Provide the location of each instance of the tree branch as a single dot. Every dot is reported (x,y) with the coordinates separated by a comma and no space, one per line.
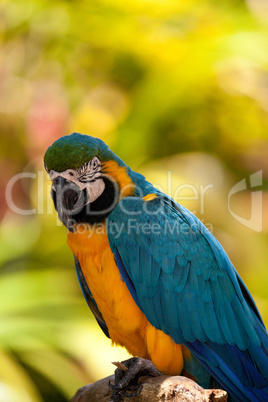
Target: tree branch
(162,388)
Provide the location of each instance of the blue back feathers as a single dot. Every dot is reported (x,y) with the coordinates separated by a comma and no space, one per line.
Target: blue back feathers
(182,279)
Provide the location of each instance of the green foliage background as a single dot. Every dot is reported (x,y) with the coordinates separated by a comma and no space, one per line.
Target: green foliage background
(179,90)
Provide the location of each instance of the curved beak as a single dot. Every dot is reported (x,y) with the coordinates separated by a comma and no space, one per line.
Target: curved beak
(68,200)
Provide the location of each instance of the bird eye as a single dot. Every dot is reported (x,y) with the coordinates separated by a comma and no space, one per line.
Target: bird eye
(95,163)
(71,174)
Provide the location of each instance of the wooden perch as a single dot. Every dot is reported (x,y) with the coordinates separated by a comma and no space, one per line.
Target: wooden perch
(162,388)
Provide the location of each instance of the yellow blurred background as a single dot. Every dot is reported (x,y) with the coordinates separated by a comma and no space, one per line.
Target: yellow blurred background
(179,90)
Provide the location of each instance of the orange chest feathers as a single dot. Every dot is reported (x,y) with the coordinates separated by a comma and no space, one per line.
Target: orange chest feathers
(127,325)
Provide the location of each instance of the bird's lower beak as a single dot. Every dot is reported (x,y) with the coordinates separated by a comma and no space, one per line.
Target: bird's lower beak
(68,200)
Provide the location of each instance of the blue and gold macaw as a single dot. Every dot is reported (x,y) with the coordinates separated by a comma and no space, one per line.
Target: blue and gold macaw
(157,281)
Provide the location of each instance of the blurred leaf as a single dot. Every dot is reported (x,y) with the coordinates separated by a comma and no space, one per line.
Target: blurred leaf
(17,379)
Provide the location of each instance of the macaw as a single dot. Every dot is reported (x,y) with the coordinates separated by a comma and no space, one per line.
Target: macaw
(157,281)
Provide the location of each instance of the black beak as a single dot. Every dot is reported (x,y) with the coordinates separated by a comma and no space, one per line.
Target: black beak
(67,200)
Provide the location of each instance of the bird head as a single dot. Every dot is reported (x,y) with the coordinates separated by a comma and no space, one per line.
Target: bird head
(88,179)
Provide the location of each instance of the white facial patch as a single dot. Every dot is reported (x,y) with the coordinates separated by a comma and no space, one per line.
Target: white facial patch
(94,190)
(86,177)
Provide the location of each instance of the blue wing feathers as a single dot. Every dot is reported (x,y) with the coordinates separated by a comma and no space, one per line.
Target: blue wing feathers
(217,360)
(171,316)
(179,285)
(177,274)
(248,299)
(126,278)
(159,320)
(145,257)
(89,298)
(185,284)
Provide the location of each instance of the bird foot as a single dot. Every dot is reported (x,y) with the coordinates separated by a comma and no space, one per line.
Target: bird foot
(126,382)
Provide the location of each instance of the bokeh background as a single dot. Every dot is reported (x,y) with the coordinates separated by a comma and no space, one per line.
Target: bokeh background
(179,90)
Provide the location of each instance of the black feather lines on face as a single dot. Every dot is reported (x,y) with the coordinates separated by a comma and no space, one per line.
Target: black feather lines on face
(97,211)
(87,171)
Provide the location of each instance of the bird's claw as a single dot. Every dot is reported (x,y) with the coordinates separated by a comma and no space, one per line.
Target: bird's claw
(132,393)
(129,392)
(126,381)
(130,387)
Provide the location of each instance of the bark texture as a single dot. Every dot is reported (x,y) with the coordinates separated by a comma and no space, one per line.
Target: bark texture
(162,388)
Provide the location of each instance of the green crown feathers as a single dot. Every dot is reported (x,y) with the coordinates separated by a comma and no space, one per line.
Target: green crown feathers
(72,151)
